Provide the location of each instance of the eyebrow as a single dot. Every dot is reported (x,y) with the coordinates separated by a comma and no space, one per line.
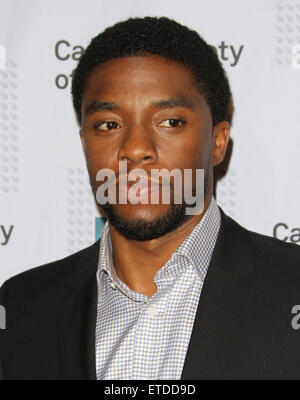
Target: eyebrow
(178,101)
(96,105)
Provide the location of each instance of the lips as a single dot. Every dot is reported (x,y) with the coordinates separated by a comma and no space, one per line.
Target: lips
(143,188)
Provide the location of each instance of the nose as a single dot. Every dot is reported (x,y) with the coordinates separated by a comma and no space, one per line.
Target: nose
(138,147)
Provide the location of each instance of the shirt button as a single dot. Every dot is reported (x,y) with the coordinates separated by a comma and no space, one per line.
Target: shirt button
(152,310)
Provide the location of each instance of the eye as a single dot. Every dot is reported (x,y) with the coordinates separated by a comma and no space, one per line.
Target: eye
(171,123)
(106,126)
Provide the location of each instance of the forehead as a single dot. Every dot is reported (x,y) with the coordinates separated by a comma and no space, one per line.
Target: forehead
(146,76)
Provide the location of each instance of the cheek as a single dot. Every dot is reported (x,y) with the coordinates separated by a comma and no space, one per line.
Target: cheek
(203,149)
(194,153)
(98,155)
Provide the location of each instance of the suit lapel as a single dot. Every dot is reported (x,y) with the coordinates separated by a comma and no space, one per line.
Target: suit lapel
(77,319)
(222,304)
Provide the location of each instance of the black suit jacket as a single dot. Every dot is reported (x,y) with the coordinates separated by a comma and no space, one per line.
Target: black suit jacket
(242,328)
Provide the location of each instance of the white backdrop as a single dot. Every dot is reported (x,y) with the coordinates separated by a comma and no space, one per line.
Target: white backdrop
(46,207)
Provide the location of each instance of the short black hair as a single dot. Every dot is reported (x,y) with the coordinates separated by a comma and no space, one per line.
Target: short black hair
(163,37)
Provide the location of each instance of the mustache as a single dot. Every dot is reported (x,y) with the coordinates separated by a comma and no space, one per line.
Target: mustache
(117,178)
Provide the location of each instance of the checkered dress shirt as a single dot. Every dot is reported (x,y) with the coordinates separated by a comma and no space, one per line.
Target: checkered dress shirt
(138,337)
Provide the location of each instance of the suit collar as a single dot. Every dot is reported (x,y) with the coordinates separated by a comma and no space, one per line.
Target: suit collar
(85,268)
(222,304)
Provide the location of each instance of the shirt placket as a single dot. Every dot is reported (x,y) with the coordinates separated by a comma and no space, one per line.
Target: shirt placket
(149,334)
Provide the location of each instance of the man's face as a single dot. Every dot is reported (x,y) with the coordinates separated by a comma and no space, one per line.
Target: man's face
(146,111)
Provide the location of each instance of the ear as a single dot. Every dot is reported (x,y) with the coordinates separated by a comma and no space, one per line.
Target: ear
(221,138)
(82,139)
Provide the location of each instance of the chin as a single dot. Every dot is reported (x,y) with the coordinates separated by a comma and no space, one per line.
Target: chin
(141,212)
(143,223)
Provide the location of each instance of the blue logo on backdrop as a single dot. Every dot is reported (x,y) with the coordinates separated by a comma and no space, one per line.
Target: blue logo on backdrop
(99,224)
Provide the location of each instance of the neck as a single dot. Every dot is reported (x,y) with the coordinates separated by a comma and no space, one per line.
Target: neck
(137,262)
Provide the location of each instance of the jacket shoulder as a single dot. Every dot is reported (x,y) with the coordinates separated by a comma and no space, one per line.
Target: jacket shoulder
(277,261)
(263,244)
(274,249)
(50,275)
(270,255)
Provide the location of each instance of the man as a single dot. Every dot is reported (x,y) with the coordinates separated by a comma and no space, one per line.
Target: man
(163,294)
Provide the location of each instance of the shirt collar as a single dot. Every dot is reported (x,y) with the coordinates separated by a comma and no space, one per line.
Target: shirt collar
(197,247)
